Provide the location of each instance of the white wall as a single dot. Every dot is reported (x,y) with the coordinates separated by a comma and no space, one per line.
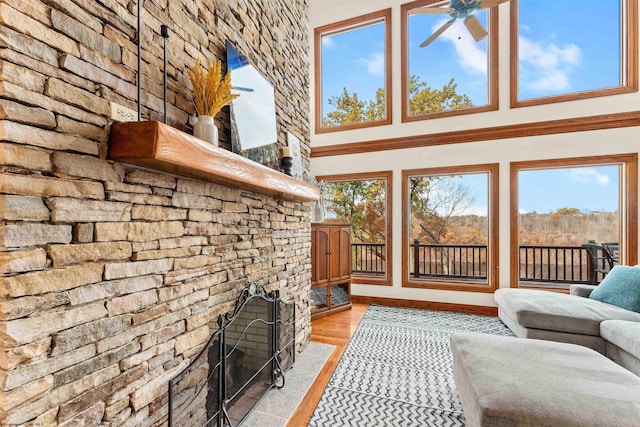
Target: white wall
(603,142)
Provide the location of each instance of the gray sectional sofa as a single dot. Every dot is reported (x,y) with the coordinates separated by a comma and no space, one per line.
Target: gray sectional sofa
(574,318)
(509,382)
(549,380)
(623,343)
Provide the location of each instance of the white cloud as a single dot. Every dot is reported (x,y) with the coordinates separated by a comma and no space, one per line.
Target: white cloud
(587,175)
(470,56)
(374,63)
(327,42)
(522,211)
(473,209)
(547,67)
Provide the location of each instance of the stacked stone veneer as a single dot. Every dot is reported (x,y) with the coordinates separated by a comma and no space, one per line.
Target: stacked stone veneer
(109,274)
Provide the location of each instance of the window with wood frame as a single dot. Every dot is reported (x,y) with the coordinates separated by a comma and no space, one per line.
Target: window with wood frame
(353,73)
(569,50)
(452,74)
(450,225)
(572,219)
(364,201)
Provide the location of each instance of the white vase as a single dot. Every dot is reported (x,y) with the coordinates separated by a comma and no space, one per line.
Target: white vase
(317,212)
(206,129)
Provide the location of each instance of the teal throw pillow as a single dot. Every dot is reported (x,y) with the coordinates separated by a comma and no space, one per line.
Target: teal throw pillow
(621,287)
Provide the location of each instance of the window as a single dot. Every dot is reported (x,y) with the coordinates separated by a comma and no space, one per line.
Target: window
(353,73)
(562,210)
(453,74)
(568,50)
(450,228)
(364,201)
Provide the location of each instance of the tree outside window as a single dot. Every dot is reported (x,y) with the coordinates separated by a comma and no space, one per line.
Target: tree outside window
(353,63)
(566,213)
(449,225)
(453,74)
(363,200)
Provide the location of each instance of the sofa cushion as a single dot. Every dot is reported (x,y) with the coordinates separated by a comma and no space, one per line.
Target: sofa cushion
(581,290)
(559,312)
(506,381)
(591,341)
(620,287)
(623,334)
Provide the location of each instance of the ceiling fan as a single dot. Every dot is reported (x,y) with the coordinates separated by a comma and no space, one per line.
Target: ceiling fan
(459,9)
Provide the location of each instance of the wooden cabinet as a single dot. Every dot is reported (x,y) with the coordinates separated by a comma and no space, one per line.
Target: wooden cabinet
(330,268)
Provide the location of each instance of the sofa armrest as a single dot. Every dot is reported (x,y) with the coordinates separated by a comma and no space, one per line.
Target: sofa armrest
(581,290)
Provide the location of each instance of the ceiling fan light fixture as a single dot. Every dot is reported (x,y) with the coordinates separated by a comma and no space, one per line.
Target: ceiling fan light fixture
(475,28)
(463,9)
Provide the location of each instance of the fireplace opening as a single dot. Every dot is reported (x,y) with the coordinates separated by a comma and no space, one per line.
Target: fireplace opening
(253,346)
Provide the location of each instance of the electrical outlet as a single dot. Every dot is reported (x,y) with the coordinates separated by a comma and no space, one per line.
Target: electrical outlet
(122,114)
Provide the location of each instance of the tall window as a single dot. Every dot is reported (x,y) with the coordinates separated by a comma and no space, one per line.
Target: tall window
(568,50)
(364,201)
(567,213)
(353,73)
(450,228)
(452,74)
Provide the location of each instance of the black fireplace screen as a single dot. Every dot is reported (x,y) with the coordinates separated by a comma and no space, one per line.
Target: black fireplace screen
(243,359)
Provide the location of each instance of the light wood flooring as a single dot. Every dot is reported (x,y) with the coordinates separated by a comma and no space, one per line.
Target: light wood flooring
(336,329)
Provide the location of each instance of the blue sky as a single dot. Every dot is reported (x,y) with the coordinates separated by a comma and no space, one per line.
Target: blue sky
(478,185)
(565,46)
(589,188)
(355,60)
(568,46)
(453,54)
(593,188)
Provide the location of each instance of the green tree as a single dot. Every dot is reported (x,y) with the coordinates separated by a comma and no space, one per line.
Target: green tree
(434,200)
(425,99)
(361,203)
(349,108)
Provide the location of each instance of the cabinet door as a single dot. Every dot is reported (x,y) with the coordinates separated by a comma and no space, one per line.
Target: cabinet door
(319,256)
(340,253)
(314,256)
(345,253)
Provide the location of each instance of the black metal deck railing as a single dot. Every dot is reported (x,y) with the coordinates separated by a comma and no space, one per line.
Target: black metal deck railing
(368,259)
(555,264)
(546,264)
(448,261)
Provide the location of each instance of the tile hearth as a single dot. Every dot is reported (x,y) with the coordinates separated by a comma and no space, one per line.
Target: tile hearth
(277,406)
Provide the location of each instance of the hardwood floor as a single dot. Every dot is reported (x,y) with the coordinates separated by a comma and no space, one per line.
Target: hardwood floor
(336,329)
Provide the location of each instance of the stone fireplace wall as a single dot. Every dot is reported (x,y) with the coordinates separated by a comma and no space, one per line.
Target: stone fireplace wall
(110,275)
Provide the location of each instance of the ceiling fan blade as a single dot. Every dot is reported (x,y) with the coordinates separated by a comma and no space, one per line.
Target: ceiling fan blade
(438,32)
(475,27)
(485,4)
(430,10)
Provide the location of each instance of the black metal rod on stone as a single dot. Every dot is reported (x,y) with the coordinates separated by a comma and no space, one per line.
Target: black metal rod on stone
(222,357)
(164,32)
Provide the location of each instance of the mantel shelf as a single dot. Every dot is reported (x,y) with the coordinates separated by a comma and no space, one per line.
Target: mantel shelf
(158,146)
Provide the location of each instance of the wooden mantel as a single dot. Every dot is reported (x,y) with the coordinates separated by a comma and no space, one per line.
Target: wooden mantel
(158,146)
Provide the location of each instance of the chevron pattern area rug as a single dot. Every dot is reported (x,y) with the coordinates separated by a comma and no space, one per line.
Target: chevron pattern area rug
(397,370)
